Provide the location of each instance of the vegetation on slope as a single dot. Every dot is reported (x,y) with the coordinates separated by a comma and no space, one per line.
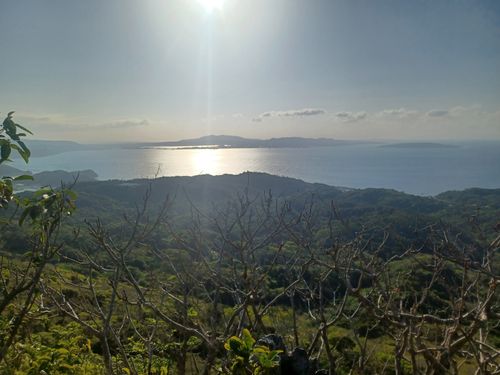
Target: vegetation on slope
(248,274)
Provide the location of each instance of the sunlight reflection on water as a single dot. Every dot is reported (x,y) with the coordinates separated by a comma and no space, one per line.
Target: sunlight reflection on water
(191,162)
(418,171)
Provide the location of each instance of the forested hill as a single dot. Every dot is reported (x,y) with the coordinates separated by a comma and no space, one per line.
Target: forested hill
(259,251)
(46,178)
(201,188)
(405,218)
(360,208)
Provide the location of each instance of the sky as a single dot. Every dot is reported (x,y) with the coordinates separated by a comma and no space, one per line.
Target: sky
(149,70)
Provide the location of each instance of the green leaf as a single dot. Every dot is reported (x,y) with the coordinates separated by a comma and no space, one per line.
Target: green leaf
(234,344)
(16,147)
(261,349)
(23,145)
(62,351)
(9,126)
(265,358)
(8,183)
(5,151)
(24,154)
(247,338)
(23,128)
(23,177)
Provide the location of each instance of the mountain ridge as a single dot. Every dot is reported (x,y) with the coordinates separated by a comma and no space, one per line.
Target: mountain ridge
(232,141)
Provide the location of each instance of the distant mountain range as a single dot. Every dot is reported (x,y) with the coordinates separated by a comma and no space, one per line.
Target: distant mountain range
(230,141)
(41,148)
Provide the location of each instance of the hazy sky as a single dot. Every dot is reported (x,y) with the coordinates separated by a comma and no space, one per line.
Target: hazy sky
(123,70)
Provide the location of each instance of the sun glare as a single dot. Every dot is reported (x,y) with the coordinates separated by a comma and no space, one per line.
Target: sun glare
(205,161)
(211,5)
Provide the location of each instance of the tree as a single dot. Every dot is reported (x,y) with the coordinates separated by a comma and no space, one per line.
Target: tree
(10,140)
(152,293)
(20,277)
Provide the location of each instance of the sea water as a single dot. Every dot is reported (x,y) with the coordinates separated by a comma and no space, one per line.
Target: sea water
(415,170)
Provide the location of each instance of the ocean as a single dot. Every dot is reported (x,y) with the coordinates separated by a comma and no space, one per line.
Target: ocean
(414,170)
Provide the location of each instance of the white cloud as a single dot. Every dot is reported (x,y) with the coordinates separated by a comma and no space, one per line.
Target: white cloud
(404,113)
(398,113)
(351,116)
(291,113)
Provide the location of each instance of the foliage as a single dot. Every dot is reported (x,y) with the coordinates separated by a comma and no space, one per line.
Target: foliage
(20,279)
(65,350)
(365,281)
(247,358)
(10,140)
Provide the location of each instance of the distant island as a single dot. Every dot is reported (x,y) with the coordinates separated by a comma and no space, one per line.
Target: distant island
(42,148)
(229,141)
(418,145)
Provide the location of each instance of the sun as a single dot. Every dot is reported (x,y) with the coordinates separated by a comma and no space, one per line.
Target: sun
(211,5)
